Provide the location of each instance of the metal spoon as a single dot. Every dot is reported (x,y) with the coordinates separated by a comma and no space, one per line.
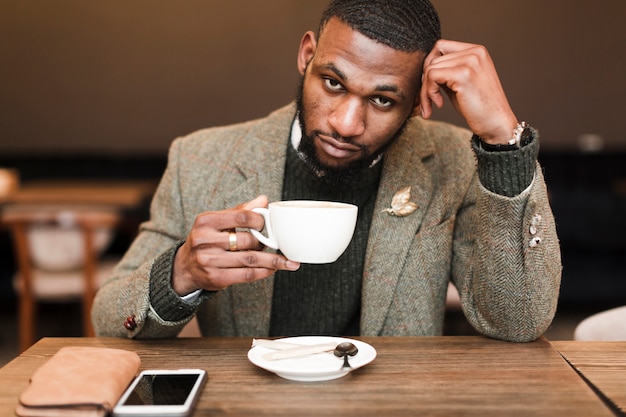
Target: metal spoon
(344,350)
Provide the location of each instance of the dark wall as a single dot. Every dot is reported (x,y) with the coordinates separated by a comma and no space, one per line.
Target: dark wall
(561,62)
(128,76)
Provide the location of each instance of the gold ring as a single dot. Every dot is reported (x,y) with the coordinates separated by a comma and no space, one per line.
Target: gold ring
(232,241)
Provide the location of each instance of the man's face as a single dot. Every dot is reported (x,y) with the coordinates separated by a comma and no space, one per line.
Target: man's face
(355,97)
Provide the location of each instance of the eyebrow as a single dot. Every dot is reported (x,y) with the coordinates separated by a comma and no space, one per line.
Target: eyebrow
(392,88)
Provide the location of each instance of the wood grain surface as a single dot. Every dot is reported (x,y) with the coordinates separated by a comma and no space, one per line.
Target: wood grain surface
(425,376)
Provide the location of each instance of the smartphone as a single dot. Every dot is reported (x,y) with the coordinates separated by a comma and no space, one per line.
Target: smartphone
(170,393)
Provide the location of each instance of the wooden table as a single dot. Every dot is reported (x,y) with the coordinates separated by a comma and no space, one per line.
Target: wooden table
(603,365)
(425,376)
(124,194)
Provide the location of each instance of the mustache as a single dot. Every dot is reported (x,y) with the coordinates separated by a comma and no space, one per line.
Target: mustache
(333,135)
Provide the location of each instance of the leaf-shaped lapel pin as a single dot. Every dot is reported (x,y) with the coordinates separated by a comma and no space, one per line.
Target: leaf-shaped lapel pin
(400,204)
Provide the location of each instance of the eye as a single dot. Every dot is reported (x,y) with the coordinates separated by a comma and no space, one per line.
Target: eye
(381,101)
(332,84)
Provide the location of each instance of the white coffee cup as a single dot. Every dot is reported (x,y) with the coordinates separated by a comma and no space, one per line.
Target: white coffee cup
(314,232)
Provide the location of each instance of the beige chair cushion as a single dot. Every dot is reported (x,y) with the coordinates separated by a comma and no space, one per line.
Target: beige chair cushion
(56,248)
(64,285)
(609,325)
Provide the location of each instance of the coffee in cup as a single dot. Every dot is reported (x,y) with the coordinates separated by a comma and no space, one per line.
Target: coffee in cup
(307,231)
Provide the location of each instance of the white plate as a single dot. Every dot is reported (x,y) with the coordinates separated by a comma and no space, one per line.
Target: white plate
(318,367)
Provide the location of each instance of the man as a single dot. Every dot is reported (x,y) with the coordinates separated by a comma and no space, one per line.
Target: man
(358,133)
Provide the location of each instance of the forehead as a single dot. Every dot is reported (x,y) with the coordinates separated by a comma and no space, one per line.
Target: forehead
(355,54)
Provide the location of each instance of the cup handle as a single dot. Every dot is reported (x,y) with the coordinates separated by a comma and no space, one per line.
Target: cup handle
(270,240)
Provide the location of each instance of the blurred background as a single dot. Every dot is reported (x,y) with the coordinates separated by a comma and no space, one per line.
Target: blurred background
(98,90)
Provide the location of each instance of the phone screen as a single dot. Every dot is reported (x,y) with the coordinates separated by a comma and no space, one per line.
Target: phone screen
(171,393)
(162,389)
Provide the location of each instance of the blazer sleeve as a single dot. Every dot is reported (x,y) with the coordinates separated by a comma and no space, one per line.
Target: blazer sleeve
(127,292)
(507,262)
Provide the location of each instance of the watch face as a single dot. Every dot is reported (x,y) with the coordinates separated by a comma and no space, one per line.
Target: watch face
(526,137)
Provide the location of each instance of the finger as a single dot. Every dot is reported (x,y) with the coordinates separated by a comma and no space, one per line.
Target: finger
(445,47)
(426,108)
(434,53)
(238,216)
(451,60)
(260,201)
(263,260)
(452,78)
(432,82)
(425,105)
(240,241)
(229,219)
(244,210)
(232,241)
(234,276)
(430,94)
(239,267)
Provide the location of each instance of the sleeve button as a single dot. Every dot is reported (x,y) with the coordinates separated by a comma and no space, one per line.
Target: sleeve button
(130,323)
(535,220)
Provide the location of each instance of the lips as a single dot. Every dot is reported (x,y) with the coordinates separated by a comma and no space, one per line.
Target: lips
(337,149)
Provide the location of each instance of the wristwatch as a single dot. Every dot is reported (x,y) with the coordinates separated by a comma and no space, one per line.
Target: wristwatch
(522,136)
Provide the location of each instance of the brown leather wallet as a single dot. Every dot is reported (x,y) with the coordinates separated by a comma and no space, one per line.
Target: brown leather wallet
(79,381)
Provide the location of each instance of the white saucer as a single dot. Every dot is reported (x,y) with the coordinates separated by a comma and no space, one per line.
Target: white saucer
(318,367)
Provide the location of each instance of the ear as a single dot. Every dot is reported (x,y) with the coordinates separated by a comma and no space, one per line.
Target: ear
(417,109)
(308,44)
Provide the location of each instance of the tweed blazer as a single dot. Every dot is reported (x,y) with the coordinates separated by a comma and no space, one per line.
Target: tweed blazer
(502,253)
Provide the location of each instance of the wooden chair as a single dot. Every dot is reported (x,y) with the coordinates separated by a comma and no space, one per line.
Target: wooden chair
(57,250)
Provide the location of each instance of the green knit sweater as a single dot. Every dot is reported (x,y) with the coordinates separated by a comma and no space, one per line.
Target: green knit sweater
(335,286)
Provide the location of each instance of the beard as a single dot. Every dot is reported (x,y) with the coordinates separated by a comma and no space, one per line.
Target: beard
(333,175)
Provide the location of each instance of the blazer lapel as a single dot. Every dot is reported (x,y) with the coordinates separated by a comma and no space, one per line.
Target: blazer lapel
(391,236)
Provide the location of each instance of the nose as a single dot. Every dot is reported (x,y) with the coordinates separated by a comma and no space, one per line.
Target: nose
(348,117)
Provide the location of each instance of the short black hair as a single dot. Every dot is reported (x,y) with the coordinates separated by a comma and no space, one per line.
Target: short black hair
(405,25)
